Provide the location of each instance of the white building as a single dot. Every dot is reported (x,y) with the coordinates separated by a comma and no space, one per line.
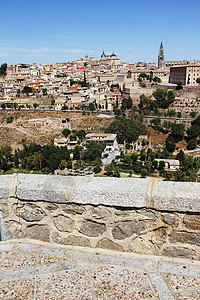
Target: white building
(109,139)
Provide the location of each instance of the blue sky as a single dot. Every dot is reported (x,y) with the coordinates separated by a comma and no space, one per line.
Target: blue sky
(63,30)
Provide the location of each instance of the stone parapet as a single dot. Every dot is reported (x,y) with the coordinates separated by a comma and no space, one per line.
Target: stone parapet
(146,216)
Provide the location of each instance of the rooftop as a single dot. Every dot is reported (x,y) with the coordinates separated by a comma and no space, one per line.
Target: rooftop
(49,271)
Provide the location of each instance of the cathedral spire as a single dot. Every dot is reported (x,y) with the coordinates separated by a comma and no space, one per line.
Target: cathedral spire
(161,57)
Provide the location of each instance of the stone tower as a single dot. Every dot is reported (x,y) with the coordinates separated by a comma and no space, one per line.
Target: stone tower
(161,60)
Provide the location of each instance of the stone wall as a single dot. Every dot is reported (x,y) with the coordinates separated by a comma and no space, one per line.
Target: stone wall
(145,216)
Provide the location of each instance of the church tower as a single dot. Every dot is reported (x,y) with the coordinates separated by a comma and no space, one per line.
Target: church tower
(161,60)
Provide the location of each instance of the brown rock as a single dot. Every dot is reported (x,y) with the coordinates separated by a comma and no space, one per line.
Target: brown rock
(192,221)
(91,228)
(125,229)
(73,209)
(169,219)
(159,236)
(38,232)
(76,241)
(178,252)
(108,244)
(51,207)
(63,223)
(184,237)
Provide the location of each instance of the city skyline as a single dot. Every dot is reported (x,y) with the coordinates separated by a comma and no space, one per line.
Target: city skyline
(49,33)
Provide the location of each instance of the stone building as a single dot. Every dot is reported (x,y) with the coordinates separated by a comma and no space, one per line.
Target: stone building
(187,75)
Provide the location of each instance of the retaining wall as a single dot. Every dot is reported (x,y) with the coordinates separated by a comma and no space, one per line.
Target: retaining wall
(147,216)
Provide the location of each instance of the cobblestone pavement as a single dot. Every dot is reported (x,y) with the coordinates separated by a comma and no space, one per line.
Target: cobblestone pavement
(32,269)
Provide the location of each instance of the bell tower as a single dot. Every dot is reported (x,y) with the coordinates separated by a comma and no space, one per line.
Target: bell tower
(161,60)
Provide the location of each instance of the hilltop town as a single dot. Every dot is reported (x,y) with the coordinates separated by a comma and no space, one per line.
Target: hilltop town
(144,117)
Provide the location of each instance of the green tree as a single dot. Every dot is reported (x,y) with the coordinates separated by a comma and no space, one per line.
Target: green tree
(179,114)
(157,79)
(126,129)
(3,69)
(77,152)
(44,91)
(66,132)
(156,122)
(27,90)
(161,165)
(92,107)
(126,103)
(171,113)
(3,106)
(193,114)
(181,156)
(93,151)
(170,144)
(198,80)
(35,105)
(193,132)
(6,158)
(191,145)
(81,134)
(163,97)
(179,86)
(177,131)
(9,119)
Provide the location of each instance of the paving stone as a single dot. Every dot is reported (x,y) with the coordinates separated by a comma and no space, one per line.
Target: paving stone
(37,270)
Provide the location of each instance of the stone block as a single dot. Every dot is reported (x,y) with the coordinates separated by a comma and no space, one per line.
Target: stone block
(30,212)
(143,245)
(169,219)
(99,213)
(38,232)
(125,229)
(63,223)
(146,214)
(108,244)
(76,241)
(73,209)
(11,230)
(49,188)
(92,229)
(5,182)
(181,252)
(176,196)
(125,192)
(50,207)
(184,237)
(192,221)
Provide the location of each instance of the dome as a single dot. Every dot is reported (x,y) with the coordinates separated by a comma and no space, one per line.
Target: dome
(113,55)
(103,54)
